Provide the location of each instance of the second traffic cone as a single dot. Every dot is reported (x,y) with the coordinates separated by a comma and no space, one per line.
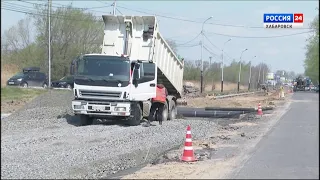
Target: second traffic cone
(259,110)
(188,154)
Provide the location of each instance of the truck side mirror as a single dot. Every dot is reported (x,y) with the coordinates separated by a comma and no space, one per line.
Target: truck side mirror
(136,74)
(136,77)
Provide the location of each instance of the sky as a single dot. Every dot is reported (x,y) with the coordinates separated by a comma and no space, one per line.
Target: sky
(281,53)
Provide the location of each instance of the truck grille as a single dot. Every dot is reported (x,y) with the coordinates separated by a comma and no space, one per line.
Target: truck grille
(99,94)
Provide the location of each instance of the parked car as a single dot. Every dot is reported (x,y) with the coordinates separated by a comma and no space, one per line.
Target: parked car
(65,82)
(29,77)
(317,89)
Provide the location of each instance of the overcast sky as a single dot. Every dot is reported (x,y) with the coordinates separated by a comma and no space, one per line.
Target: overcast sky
(279,53)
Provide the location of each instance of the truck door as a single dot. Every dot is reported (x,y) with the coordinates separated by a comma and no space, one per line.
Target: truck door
(145,88)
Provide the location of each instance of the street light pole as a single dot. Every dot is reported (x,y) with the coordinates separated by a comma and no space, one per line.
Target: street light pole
(263,75)
(222,66)
(202,37)
(114,8)
(250,74)
(259,75)
(240,69)
(49,42)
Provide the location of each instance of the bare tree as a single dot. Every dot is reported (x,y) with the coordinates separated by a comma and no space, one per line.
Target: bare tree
(173,45)
(18,37)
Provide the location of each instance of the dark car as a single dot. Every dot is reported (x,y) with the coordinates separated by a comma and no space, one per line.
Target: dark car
(65,82)
(317,89)
(29,77)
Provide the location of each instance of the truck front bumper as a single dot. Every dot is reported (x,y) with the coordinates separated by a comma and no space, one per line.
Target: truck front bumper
(101,108)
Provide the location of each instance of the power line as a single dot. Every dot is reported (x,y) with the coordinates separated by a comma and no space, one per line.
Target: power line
(252,37)
(61,5)
(119,11)
(218,47)
(25,11)
(194,45)
(67,6)
(191,39)
(199,22)
(164,16)
(52,16)
(209,50)
(211,42)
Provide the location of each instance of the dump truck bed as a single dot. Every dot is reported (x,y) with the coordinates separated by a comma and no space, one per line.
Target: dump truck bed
(145,43)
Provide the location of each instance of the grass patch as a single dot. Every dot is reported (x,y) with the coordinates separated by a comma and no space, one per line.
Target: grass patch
(15,93)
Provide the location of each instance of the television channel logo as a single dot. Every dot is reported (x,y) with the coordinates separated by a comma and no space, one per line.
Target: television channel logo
(283,20)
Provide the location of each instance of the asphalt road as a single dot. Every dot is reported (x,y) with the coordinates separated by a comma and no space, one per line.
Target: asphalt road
(291,148)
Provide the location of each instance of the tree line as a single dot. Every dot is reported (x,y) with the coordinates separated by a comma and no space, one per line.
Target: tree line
(73,32)
(311,62)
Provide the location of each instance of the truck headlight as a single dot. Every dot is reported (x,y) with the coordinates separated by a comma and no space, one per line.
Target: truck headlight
(120,109)
(78,106)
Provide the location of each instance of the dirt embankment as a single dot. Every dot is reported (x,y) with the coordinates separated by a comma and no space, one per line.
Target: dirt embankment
(240,101)
(215,86)
(7,71)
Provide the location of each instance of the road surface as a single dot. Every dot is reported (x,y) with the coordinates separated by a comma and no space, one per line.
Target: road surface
(291,148)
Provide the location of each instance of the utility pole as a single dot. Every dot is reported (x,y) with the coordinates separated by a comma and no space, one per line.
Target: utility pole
(222,65)
(211,70)
(249,84)
(262,75)
(114,8)
(240,69)
(259,75)
(49,41)
(249,77)
(202,37)
(201,71)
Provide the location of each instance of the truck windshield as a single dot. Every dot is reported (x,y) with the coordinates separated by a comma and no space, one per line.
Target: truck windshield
(107,68)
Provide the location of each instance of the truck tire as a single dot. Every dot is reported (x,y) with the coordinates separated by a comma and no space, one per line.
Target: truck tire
(136,115)
(173,110)
(164,113)
(85,120)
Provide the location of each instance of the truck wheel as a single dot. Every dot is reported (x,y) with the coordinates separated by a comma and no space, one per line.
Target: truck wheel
(173,110)
(165,112)
(85,120)
(136,114)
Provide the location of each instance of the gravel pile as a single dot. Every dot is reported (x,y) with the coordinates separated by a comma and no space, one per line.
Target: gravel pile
(42,141)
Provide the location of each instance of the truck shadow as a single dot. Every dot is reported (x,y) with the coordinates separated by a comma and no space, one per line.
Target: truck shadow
(75,121)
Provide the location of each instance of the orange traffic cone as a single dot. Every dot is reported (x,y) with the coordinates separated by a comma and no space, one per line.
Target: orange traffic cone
(259,110)
(188,154)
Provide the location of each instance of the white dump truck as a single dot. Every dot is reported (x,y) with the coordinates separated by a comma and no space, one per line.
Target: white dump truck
(120,82)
